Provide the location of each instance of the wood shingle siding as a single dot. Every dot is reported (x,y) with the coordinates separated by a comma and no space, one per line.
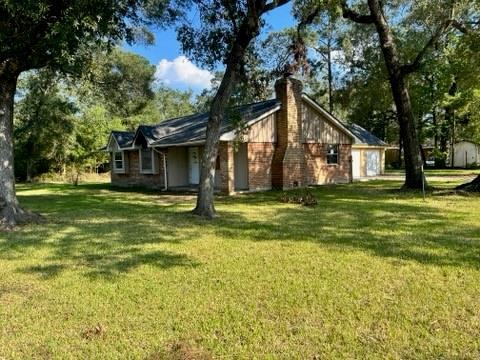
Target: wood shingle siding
(316,129)
(263,131)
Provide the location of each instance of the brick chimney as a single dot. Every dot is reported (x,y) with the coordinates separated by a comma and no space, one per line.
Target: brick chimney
(288,165)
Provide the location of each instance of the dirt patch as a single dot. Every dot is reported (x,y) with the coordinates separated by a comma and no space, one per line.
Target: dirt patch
(181,350)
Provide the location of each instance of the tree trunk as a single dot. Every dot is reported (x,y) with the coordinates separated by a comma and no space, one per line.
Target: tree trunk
(205,200)
(450,122)
(11,213)
(330,77)
(411,147)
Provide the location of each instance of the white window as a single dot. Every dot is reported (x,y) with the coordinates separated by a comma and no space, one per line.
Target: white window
(147,161)
(332,154)
(118,162)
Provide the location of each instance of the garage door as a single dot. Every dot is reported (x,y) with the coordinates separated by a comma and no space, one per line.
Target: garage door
(373,163)
(356,162)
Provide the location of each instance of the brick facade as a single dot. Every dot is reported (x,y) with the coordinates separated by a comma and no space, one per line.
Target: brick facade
(260,156)
(133,177)
(319,172)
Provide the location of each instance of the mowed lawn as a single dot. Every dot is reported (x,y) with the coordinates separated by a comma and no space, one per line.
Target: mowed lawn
(371,272)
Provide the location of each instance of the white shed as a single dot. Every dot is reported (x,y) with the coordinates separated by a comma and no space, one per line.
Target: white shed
(465,154)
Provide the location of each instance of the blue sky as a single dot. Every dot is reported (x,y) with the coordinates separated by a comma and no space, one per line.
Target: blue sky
(177,71)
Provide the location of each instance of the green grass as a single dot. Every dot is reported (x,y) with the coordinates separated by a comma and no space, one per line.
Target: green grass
(371,272)
(439,172)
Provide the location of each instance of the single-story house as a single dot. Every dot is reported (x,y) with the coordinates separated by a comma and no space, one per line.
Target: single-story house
(286,142)
(465,154)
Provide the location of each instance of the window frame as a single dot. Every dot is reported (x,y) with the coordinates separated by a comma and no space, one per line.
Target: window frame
(115,168)
(149,171)
(336,154)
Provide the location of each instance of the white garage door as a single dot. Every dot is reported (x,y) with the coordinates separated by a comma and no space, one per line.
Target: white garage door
(373,163)
(356,164)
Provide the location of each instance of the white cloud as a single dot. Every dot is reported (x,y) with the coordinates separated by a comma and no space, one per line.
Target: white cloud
(181,71)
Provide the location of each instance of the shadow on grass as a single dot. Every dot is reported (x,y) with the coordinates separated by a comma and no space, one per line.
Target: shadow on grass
(101,232)
(369,218)
(107,234)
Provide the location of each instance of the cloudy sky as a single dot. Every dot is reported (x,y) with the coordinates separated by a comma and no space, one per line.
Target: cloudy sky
(174,69)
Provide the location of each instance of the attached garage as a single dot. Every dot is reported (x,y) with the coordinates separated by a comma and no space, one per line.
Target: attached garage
(368,153)
(367,161)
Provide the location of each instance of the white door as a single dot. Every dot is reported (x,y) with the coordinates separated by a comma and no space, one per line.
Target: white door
(356,164)
(193,166)
(373,162)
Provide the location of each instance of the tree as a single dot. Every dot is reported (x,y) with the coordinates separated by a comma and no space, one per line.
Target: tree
(441,20)
(121,80)
(44,125)
(226,30)
(58,34)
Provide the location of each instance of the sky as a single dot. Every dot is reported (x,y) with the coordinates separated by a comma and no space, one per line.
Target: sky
(175,70)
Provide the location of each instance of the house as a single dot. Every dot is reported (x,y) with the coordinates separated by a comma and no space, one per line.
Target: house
(465,154)
(286,142)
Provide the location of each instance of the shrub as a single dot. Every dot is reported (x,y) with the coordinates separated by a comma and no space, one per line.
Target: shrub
(301,196)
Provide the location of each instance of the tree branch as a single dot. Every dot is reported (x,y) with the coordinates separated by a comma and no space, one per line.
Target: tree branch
(354,16)
(417,62)
(274,4)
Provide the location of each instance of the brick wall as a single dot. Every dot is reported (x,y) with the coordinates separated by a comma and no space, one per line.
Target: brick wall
(288,165)
(224,175)
(133,177)
(260,156)
(319,172)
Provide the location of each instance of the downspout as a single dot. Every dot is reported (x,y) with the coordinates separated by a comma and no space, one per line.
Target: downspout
(165,180)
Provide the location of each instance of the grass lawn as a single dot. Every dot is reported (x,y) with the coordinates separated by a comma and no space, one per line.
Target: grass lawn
(369,273)
(438,172)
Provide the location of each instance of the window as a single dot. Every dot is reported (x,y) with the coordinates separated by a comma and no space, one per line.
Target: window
(332,154)
(118,162)
(146,161)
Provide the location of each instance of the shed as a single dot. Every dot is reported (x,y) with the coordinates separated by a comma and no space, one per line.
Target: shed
(465,154)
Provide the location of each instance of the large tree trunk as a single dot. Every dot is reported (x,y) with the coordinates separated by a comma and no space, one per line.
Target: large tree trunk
(408,133)
(473,186)
(11,213)
(205,199)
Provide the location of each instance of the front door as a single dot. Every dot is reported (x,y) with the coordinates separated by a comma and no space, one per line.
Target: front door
(193,166)
(372,163)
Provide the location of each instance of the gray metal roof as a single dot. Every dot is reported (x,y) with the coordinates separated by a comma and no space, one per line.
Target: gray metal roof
(364,136)
(124,138)
(193,128)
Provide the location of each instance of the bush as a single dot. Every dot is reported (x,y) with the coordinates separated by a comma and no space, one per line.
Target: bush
(301,196)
